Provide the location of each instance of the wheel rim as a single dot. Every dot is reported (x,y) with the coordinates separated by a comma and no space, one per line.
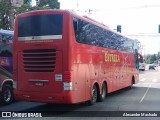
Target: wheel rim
(7,95)
(94,94)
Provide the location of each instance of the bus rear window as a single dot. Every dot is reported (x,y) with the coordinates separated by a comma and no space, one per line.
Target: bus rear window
(40,27)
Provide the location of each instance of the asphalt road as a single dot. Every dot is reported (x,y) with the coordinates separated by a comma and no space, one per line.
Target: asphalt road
(144,96)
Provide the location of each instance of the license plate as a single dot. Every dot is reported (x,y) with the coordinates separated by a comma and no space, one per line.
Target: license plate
(39,84)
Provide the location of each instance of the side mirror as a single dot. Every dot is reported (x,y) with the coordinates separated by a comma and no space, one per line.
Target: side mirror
(141,60)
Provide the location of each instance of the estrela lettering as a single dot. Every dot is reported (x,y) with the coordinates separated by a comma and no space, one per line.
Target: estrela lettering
(109,57)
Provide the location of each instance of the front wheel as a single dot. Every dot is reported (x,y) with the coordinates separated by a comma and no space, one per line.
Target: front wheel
(94,95)
(6,96)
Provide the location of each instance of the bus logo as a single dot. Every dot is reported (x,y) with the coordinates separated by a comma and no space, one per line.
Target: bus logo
(110,57)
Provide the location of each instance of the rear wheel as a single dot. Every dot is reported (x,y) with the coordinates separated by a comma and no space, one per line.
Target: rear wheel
(132,82)
(94,95)
(102,96)
(6,96)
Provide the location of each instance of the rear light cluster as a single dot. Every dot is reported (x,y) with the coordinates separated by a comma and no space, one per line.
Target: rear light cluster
(67,85)
(67,76)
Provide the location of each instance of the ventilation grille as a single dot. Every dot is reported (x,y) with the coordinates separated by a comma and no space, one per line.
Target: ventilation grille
(39,60)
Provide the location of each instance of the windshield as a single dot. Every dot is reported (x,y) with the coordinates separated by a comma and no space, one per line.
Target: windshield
(40,27)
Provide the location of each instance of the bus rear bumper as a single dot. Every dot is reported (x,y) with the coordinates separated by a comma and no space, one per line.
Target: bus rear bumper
(44,97)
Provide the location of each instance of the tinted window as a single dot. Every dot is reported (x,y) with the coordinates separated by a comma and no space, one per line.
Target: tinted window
(40,25)
(5,49)
(6,45)
(6,37)
(91,34)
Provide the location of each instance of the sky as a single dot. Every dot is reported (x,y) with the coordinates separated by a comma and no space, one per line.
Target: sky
(135,17)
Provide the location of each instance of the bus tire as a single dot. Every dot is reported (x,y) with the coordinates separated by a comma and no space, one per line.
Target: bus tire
(94,95)
(132,82)
(101,97)
(6,96)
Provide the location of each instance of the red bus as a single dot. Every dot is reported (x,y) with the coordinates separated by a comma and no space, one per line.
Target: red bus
(60,57)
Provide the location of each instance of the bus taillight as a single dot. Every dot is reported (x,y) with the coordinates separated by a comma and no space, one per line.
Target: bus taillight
(67,76)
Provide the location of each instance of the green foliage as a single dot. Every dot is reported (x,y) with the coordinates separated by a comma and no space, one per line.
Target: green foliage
(49,4)
(158,56)
(24,8)
(151,58)
(6,10)
(43,4)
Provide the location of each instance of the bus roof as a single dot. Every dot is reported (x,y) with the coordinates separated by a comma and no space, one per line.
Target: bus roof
(75,14)
(6,32)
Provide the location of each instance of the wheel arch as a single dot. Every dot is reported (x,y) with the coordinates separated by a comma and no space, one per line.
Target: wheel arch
(133,79)
(105,82)
(6,81)
(97,86)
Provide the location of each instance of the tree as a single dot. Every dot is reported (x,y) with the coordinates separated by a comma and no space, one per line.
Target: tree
(49,4)
(158,56)
(150,58)
(24,8)
(8,12)
(4,12)
(153,58)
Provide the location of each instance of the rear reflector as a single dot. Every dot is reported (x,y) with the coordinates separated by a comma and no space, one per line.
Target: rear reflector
(14,84)
(58,77)
(67,85)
